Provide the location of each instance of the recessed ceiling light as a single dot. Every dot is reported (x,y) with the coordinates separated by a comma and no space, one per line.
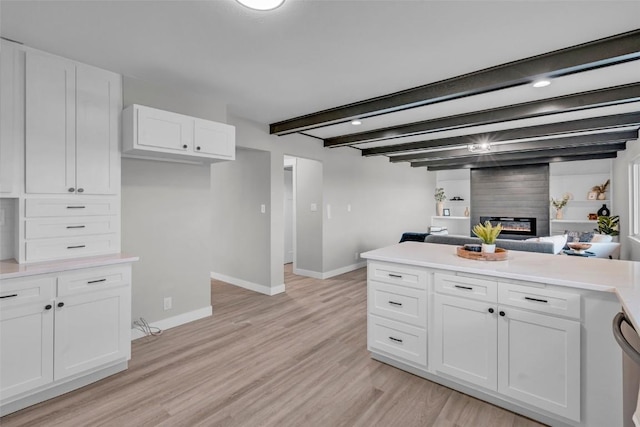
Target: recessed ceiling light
(261,4)
(356,122)
(541,83)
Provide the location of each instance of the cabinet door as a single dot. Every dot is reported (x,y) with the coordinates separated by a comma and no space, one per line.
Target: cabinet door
(465,340)
(50,124)
(539,361)
(164,130)
(98,105)
(26,347)
(216,139)
(92,329)
(8,111)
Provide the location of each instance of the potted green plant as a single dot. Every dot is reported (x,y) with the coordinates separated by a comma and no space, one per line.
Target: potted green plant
(608,225)
(488,234)
(440,198)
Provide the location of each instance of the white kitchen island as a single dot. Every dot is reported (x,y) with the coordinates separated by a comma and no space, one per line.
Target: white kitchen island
(531,334)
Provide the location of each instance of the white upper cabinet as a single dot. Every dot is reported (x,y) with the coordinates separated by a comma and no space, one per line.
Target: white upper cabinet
(71,127)
(149,132)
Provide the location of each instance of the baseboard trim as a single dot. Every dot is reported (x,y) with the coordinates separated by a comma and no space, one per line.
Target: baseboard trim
(266,290)
(172,322)
(329,274)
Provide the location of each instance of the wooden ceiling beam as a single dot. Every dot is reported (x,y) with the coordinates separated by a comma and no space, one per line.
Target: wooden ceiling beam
(544,144)
(583,57)
(579,101)
(535,161)
(533,157)
(590,124)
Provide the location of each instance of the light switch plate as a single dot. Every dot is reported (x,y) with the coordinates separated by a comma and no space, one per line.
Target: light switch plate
(314,207)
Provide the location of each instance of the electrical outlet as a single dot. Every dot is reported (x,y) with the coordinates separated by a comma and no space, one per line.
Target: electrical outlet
(263,208)
(168,303)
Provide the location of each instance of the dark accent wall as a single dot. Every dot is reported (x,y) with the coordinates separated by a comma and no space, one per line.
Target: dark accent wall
(520,191)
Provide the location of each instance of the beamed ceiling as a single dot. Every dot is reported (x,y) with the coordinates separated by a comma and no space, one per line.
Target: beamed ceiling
(590,110)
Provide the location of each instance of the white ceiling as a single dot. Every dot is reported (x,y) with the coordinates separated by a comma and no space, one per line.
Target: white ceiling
(307,55)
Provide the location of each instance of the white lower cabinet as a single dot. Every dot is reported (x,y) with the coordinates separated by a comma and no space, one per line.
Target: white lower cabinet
(55,328)
(465,340)
(529,356)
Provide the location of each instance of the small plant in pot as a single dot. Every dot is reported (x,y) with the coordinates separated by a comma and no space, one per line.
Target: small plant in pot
(608,225)
(488,234)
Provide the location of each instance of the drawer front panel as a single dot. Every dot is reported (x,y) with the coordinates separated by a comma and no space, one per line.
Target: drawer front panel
(25,290)
(399,340)
(467,287)
(50,249)
(398,303)
(79,206)
(94,279)
(397,274)
(541,300)
(65,227)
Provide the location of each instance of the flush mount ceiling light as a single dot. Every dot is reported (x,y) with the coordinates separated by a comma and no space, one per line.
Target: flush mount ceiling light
(261,4)
(356,122)
(483,147)
(542,83)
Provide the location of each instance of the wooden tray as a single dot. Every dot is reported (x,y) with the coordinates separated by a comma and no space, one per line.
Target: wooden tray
(499,255)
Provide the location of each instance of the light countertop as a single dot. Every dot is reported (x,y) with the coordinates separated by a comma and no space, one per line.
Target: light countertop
(11,269)
(596,274)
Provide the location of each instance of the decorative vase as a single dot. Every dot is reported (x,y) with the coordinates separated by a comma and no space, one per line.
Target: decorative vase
(558,213)
(440,208)
(602,196)
(487,248)
(604,210)
(466,211)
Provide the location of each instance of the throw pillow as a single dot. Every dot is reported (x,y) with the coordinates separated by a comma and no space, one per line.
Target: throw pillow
(558,242)
(578,236)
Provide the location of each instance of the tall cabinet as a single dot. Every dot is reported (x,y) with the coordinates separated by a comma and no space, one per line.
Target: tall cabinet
(63,127)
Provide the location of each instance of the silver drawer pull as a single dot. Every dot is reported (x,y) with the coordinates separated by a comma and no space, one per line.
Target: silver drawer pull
(395,339)
(76,247)
(397,276)
(9,296)
(466,288)
(96,281)
(76,207)
(75,226)
(399,304)
(537,300)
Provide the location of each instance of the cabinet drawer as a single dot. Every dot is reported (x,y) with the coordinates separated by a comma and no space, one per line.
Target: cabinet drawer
(397,274)
(93,279)
(467,287)
(398,340)
(65,227)
(398,303)
(73,247)
(541,300)
(25,290)
(70,207)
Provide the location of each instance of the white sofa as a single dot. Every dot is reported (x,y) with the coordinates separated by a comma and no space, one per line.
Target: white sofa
(605,249)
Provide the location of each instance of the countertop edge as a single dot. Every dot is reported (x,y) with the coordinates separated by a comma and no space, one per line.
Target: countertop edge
(13,270)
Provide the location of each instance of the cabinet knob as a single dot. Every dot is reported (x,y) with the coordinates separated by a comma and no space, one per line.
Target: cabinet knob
(502,313)
(491,310)
(198,148)
(48,307)
(60,304)
(80,190)
(184,146)
(71,190)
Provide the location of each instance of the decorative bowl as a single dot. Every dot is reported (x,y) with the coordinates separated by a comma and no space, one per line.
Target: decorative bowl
(579,247)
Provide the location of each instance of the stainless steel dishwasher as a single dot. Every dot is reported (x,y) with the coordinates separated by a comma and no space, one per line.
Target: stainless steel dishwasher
(629,341)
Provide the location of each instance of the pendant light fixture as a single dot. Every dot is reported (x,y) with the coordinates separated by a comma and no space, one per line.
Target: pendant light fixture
(261,4)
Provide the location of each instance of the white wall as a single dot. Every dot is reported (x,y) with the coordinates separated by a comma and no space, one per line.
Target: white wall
(309,243)
(630,248)
(166,215)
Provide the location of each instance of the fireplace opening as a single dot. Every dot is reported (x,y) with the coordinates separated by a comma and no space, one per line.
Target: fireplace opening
(521,226)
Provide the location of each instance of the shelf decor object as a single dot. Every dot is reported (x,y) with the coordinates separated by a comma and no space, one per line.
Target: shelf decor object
(604,210)
(601,190)
(560,203)
(440,198)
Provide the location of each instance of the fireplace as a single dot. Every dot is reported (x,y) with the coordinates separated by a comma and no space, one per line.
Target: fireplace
(522,226)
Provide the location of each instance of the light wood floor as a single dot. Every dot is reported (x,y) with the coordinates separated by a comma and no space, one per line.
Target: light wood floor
(295,359)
